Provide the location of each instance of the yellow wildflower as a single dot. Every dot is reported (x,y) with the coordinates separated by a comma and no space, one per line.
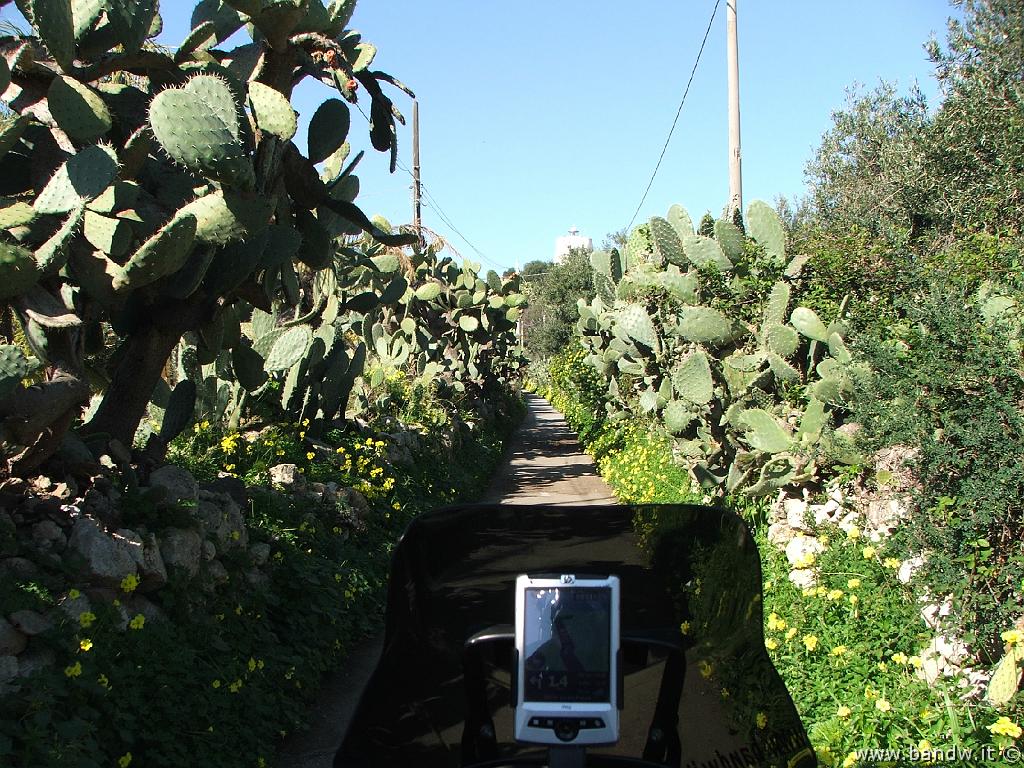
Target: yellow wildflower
(104,681)
(810,642)
(762,720)
(891,563)
(1004,726)
(853,534)
(129,583)
(310,455)
(684,628)
(236,686)
(839,650)
(835,594)
(74,594)
(870,693)
(215,684)
(850,760)
(706,669)
(844,712)
(868,552)
(883,705)
(74,670)
(138,622)
(853,583)
(915,662)
(125,760)
(85,644)
(252,664)
(1012,637)
(771,644)
(900,658)
(791,633)
(775,623)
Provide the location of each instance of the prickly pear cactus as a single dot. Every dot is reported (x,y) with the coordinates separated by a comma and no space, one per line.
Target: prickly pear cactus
(670,348)
(158,190)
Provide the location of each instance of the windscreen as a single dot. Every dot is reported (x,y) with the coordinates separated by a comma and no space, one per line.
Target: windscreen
(567,640)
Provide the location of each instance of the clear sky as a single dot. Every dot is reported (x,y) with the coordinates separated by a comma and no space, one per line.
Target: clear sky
(537,116)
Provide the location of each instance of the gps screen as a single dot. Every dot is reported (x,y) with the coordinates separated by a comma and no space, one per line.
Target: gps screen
(566,641)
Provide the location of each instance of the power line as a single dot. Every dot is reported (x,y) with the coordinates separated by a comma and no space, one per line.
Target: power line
(436,207)
(676,119)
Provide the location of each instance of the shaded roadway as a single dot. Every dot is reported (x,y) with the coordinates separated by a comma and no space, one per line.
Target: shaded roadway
(543,464)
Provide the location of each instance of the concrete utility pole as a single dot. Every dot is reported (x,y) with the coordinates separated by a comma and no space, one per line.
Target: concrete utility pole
(735,163)
(416,218)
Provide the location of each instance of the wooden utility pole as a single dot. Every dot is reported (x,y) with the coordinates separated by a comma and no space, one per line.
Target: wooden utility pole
(416,218)
(735,163)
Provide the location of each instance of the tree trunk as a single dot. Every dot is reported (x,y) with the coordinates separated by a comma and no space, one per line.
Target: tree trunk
(139,368)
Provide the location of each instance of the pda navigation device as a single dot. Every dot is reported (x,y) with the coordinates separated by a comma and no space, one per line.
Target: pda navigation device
(567,659)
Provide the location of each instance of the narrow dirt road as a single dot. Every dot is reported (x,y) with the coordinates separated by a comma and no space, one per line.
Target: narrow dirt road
(543,464)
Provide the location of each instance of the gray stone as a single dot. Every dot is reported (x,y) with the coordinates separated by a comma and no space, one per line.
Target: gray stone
(256,579)
(260,554)
(827,512)
(35,661)
(884,515)
(178,483)
(780,534)
(804,578)
(145,550)
(19,568)
(48,537)
(217,572)
(908,568)
(288,476)
(74,607)
(230,485)
(30,623)
(209,551)
(796,514)
(223,521)
(181,548)
(802,548)
(118,452)
(137,604)
(12,642)
(104,560)
(360,505)
(8,673)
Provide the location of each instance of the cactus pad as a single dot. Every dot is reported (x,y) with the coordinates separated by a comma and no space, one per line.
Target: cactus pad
(634,322)
(730,238)
(78,109)
(667,245)
(272,111)
(197,126)
(678,416)
(808,324)
(288,348)
(782,340)
(705,325)
(765,226)
(18,270)
(680,221)
(764,432)
(54,21)
(704,251)
(164,253)
(83,177)
(692,379)
(328,130)
(112,236)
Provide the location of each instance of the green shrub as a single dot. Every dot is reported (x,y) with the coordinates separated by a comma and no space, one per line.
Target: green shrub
(950,384)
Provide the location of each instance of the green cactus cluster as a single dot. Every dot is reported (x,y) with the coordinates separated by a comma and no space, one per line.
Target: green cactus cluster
(153,195)
(716,381)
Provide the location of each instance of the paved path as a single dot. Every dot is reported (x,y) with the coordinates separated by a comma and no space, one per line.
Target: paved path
(544,464)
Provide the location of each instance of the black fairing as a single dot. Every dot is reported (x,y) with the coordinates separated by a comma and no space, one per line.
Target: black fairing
(699,687)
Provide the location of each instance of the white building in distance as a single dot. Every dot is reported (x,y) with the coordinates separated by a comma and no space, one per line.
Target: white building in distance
(566,243)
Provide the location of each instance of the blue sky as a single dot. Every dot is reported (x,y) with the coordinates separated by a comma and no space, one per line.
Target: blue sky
(537,116)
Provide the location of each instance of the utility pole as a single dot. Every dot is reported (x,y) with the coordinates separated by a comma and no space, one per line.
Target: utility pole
(735,162)
(416,218)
